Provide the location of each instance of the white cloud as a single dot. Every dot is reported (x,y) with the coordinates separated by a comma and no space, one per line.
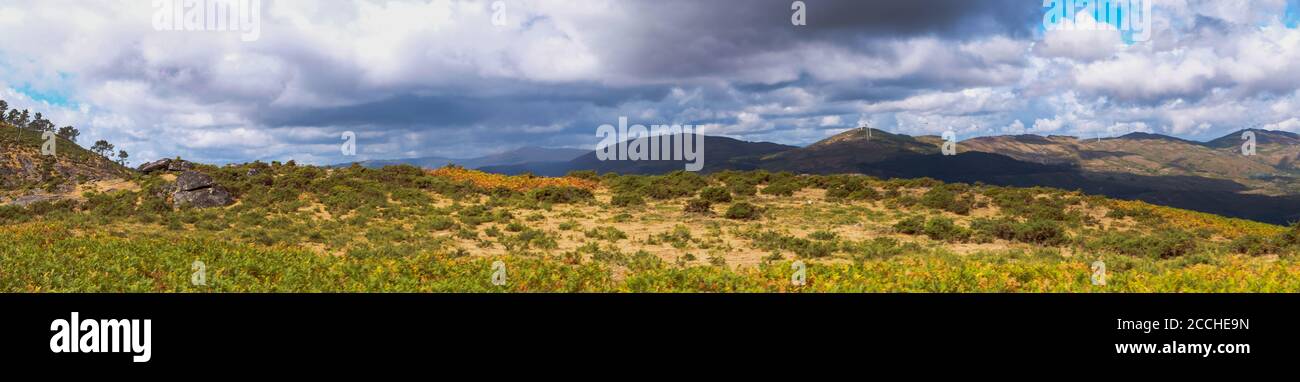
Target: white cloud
(1082,44)
(1292,125)
(1211,65)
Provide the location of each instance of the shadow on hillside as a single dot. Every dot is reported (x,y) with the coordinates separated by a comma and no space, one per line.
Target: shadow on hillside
(1216,196)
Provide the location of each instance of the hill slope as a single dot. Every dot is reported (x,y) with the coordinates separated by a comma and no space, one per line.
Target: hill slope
(720,153)
(24,169)
(848,152)
(309,229)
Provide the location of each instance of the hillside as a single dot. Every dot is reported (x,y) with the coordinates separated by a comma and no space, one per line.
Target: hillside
(303,228)
(720,153)
(1147,155)
(847,152)
(24,171)
(1139,166)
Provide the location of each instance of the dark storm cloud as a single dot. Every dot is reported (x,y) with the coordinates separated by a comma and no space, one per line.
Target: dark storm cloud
(686,43)
(512,105)
(682,38)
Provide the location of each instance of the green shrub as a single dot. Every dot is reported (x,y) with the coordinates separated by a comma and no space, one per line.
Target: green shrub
(606,233)
(851,188)
(912,225)
(676,185)
(1042,232)
(626,200)
(823,235)
(1001,228)
(944,198)
(1162,245)
(715,195)
(11,214)
(742,188)
(743,211)
(1255,245)
(943,229)
(804,248)
(560,194)
(782,188)
(529,239)
(583,174)
(877,249)
(699,206)
(116,204)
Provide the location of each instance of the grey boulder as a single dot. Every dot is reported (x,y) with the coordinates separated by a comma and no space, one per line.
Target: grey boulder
(158,165)
(24,201)
(180,165)
(190,181)
(215,196)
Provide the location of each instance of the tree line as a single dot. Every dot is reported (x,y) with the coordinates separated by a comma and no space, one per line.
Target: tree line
(36,122)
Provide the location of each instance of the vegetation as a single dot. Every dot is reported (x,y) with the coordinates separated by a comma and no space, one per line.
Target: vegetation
(310,229)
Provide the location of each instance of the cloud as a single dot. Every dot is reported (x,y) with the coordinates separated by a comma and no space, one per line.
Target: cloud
(438,78)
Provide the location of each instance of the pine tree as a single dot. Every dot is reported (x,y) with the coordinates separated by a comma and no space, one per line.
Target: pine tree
(68,132)
(23,119)
(102,147)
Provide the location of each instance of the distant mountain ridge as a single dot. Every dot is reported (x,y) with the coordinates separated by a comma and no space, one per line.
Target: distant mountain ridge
(1212,176)
(518,156)
(720,153)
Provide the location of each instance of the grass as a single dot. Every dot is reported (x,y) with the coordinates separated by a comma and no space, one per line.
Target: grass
(105,263)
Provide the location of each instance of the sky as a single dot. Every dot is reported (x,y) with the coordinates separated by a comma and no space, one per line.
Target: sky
(467,78)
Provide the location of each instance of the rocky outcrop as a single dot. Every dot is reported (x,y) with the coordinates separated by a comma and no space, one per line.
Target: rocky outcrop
(209,197)
(180,165)
(155,166)
(197,190)
(24,201)
(192,189)
(190,181)
(166,164)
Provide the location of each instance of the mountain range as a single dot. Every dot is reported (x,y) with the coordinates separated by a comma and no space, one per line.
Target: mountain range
(526,155)
(1213,176)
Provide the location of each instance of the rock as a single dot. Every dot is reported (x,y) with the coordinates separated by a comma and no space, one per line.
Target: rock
(253,172)
(215,196)
(190,181)
(158,165)
(24,201)
(180,165)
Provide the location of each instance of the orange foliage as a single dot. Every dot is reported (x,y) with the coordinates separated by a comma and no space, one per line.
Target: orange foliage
(520,183)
